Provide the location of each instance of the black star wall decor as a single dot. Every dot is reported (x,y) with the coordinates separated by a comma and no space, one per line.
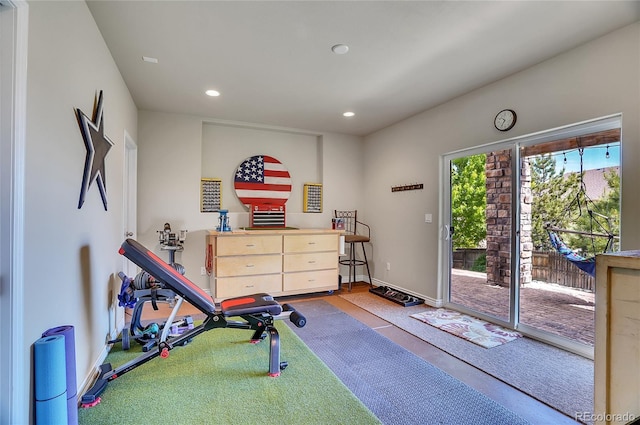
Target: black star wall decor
(98,146)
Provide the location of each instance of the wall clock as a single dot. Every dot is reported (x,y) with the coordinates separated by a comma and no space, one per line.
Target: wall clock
(505,120)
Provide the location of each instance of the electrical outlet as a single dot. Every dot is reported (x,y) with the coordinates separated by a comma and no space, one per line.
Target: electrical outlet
(388,266)
(203,271)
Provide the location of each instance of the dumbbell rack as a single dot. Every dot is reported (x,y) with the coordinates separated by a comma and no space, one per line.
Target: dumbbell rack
(396,296)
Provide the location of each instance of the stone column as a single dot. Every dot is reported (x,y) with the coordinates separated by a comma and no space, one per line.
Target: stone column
(499,225)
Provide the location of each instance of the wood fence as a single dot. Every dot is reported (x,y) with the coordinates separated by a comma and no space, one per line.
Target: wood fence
(549,267)
(465,258)
(552,267)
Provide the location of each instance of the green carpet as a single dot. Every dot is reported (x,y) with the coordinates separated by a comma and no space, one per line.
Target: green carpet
(221,378)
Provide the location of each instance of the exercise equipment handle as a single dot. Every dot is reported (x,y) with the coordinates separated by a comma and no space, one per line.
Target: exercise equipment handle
(296,317)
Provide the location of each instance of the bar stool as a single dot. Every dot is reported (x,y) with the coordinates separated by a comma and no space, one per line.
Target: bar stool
(352,237)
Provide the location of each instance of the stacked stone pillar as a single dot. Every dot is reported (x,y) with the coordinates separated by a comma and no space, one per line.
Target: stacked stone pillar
(499,225)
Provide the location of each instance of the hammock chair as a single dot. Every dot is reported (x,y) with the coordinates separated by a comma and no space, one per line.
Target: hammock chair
(587,265)
(583,202)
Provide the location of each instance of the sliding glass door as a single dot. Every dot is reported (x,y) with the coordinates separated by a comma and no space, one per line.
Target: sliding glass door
(480,233)
(523,222)
(570,201)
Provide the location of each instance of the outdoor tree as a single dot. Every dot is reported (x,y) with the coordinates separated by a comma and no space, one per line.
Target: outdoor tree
(468,201)
(552,192)
(556,201)
(601,216)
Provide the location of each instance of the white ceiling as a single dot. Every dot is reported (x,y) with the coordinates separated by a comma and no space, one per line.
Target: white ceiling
(272,60)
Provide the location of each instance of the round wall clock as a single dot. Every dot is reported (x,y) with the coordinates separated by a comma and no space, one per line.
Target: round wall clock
(505,120)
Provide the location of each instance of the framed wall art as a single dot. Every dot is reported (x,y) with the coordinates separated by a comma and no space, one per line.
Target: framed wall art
(210,195)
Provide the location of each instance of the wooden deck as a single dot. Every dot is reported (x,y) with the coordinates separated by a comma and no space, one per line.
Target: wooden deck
(560,310)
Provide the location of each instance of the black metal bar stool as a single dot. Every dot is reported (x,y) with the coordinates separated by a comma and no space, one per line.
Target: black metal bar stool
(352,237)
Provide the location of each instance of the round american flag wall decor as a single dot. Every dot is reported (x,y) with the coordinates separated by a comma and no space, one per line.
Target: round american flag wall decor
(262,179)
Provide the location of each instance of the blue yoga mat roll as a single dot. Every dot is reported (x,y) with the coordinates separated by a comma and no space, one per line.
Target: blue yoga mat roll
(72,410)
(50,368)
(52,411)
(70,354)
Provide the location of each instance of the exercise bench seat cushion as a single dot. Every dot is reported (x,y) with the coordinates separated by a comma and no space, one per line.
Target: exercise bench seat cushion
(250,304)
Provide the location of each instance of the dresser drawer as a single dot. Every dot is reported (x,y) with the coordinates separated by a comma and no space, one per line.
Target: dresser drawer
(310,243)
(311,261)
(247,245)
(248,265)
(309,280)
(229,287)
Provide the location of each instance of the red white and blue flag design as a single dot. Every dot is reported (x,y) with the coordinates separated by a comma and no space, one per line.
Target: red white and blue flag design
(262,179)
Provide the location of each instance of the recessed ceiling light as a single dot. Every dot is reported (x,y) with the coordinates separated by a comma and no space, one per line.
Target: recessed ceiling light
(348,114)
(340,49)
(212,93)
(149,59)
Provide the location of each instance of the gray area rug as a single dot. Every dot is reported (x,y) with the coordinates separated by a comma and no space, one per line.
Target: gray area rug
(396,385)
(556,377)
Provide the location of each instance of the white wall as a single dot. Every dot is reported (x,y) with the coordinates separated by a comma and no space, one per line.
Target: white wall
(297,152)
(597,79)
(71,254)
(176,151)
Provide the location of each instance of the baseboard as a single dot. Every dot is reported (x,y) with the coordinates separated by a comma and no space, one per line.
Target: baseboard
(433,302)
(359,278)
(91,378)
(119,328)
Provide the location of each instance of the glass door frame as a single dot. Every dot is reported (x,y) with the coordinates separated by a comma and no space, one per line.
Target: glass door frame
(445,250)
(446,241)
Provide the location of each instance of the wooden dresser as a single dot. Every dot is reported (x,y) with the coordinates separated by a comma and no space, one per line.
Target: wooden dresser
(279,262)
(617,347)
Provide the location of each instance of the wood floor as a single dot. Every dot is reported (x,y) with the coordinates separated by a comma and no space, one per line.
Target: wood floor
(525,406)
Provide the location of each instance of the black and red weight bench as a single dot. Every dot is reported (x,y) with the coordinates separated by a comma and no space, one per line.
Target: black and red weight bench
(258,313)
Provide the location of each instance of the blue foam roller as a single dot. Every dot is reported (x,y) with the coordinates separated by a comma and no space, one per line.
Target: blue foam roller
(52,411)
(50,368)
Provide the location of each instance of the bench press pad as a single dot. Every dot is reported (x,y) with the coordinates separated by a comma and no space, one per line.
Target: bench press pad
(150,262)
(166,274)
(250,304)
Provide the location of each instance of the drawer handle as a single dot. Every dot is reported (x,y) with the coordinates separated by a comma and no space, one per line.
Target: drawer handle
(250,245)
(248,286)
(312,261)
(312,243)
(311,280)
(249,265)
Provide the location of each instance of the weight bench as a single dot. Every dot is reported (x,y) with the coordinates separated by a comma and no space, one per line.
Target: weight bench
(258,313)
